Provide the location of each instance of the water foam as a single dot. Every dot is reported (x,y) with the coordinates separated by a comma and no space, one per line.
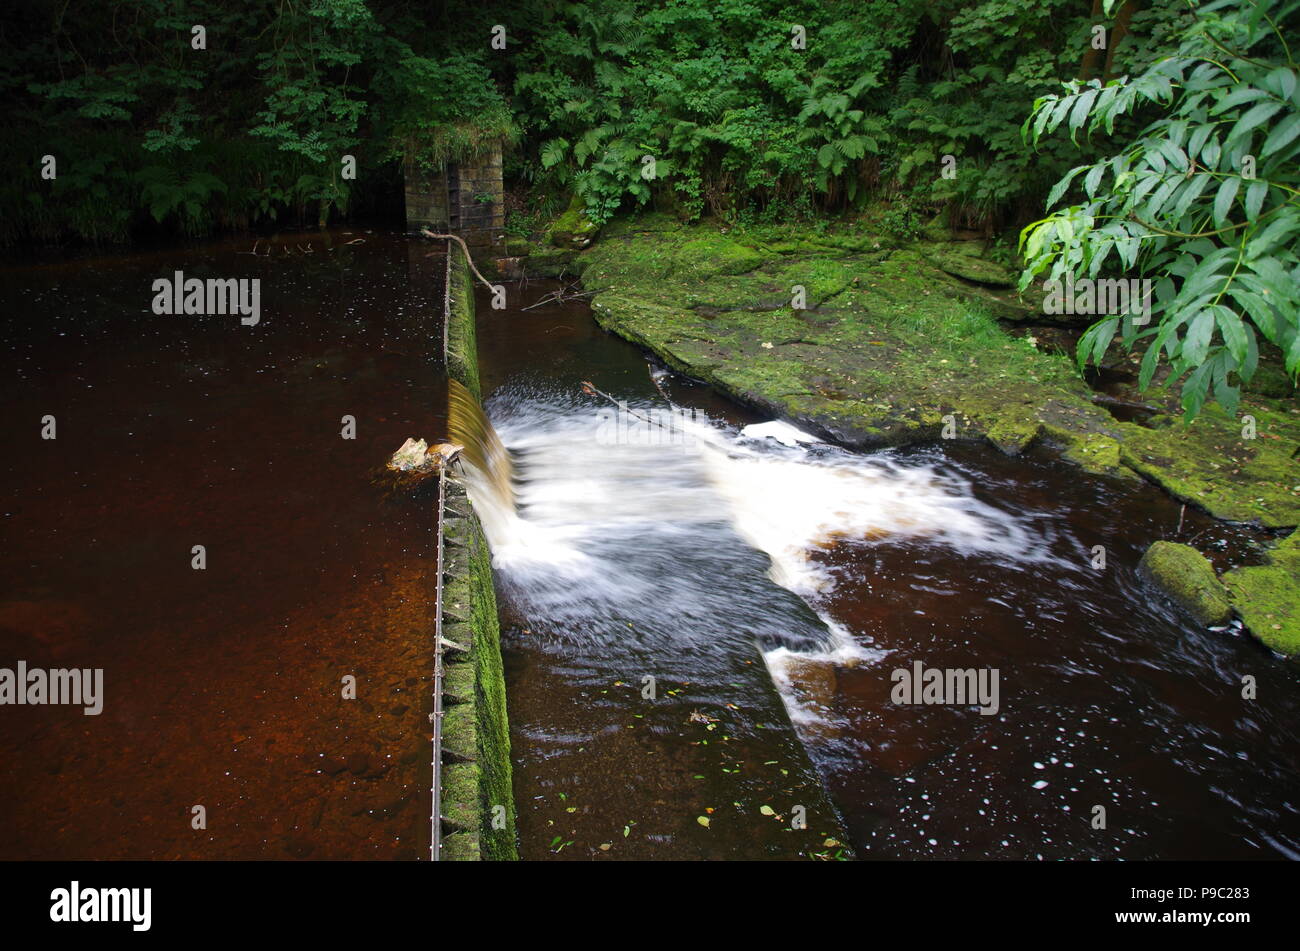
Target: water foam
(610,523)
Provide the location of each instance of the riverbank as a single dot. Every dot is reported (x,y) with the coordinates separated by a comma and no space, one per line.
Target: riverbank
(905,342)
(896,338)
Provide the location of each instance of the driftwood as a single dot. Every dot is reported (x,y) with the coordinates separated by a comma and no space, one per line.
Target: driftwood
(561,296)
(592,391)
(464,247)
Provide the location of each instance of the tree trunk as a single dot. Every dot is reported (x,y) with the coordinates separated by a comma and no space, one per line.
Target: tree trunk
(1117,35)
(1091,57)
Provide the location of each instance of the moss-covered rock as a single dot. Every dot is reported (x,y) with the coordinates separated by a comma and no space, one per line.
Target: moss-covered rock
(886,347)
(1237,472)
(1267,597)
(549,263)
(712,254)
(573,230)
(968,263)
(1188,578)
(1271,381)
(891,343)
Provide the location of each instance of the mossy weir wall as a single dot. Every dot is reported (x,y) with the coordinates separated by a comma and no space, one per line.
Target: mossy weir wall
(477,807)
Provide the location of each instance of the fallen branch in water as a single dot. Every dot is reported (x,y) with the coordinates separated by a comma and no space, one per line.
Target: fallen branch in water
(561,296)
(592,391)
(464,247)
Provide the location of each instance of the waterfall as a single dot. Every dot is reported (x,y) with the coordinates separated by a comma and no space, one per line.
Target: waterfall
(483,451)
(681,533)
(486,468)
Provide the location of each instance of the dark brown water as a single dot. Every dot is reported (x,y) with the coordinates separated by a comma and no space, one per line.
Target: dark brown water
(1107,697)
(223,686)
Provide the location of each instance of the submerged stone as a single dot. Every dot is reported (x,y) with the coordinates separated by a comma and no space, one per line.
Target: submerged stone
(1188,578)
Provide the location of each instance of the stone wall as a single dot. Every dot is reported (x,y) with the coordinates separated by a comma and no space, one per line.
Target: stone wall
(466,198)
(426,197)
(477,808)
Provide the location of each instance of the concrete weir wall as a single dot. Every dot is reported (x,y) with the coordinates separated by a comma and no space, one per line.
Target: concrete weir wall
(477,798)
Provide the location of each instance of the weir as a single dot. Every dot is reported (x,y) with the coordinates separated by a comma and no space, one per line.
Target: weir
(473,804)
(468,426)
(639,618)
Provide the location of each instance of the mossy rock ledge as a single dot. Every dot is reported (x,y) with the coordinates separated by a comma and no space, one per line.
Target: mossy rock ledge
(889,344)
(1188,579)
(1267,597)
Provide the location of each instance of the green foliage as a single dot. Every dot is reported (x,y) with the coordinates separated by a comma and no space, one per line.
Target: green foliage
(447,107)
(900,222)
(153,134)
(1203,199)
(733,118)
(738,120)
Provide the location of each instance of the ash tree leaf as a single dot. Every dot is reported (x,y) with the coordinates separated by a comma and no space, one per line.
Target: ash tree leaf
(1282,135)
(1233,331)
(1257,114)
(1224,199)
(1197,341)
(1255,198)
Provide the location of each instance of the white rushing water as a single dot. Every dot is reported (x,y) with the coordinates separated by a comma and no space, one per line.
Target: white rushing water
(655,527)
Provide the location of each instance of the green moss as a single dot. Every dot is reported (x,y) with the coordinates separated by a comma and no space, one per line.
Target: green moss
(1013,435)
(573,229)
(462,342)
(477,775)
(1188,578)
(1271,381)
(969,264)
(711,254)
(460,797)
(1095,451)
(549,263)
(457,681)
(1267,597)
(477,784)
(1212,464)
(493,725)
(885,350)
(892,342)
